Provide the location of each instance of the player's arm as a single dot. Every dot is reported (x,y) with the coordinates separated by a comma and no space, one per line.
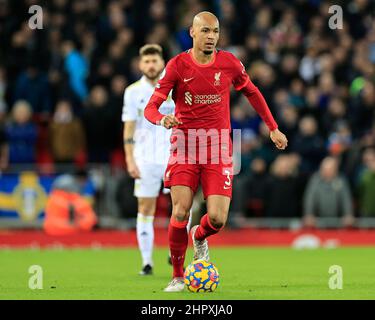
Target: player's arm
(129,116)
(129,129)
(243,83)
(165,85)
(258,102)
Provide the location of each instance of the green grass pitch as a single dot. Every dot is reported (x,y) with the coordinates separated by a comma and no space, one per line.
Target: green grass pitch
(245,273)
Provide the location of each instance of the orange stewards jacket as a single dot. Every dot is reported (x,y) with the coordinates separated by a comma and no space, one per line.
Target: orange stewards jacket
(68,213)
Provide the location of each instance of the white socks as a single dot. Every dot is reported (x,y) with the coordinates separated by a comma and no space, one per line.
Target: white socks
(145,237)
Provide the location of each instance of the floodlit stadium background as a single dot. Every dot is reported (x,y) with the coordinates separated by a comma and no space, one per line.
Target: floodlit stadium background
(318,82)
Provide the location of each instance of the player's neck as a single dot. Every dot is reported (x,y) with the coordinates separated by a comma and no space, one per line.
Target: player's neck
(201,57)
(153,82)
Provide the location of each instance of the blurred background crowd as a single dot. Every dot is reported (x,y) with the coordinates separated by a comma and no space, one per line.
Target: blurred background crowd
(61,93)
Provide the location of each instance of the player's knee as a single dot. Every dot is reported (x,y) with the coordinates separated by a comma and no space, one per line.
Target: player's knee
(146,207)
(180,212)
(146,210)
(217,222)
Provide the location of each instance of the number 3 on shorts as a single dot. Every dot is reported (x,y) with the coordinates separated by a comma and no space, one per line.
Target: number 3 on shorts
(228,183)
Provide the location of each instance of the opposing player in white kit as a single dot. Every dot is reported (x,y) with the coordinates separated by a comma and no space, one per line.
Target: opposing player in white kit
(146,147)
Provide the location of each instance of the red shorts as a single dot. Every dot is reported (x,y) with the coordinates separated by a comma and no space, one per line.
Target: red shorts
(216,179)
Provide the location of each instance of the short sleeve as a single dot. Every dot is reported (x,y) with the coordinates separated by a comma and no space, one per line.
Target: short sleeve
(240,77)
(129,109)
(167,80)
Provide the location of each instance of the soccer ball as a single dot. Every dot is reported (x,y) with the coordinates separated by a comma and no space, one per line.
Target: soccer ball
(201,276)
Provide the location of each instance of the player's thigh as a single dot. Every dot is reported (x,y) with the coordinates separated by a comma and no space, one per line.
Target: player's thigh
(182,200)
(217,209)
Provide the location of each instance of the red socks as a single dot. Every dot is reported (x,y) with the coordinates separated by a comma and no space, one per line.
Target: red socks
(178,242)
(205,229)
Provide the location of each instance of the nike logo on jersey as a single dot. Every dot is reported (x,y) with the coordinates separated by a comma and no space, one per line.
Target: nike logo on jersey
(187,80)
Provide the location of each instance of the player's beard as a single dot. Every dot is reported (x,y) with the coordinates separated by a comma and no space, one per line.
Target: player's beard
(153,76)
(208,52)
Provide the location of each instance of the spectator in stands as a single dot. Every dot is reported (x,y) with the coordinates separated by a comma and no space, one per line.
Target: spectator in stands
(289,68)
(32,85)
(116,101)
(312,103)
(366,184)
(250,189)
(309,65)
(77,69)
(262,22)
(309,144)
(66,134)
(288,121)
(265,76)
(282,198)
(364,111)
(336,113)
(252,43)
(287,32)
(297,93)
(327,87)
(328,195)
(98,120)
(340,139)
(244,118)
(21,134)
(182,34)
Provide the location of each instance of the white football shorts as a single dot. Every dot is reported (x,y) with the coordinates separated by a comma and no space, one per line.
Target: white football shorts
(148,186)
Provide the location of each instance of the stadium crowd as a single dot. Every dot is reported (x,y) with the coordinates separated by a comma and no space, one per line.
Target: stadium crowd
(61,92)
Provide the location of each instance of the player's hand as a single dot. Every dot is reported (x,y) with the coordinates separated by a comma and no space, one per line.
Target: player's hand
(133,169)
(170,121)
(279,139)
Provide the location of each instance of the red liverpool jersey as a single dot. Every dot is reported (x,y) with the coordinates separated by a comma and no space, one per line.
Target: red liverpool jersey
(202,91)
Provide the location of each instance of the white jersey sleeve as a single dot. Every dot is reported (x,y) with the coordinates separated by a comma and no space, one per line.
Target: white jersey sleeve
(129,109)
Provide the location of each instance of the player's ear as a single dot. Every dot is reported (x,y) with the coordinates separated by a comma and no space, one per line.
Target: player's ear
(191,31)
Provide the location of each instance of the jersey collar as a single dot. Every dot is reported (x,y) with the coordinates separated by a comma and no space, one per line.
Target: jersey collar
(146,82)
(190,52)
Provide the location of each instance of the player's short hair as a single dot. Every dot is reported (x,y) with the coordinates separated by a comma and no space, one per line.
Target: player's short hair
(151,49)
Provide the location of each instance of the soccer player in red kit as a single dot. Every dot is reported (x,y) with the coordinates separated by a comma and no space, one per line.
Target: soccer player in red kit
(201,79)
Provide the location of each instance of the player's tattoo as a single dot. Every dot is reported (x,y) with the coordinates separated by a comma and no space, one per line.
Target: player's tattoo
(129,141)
